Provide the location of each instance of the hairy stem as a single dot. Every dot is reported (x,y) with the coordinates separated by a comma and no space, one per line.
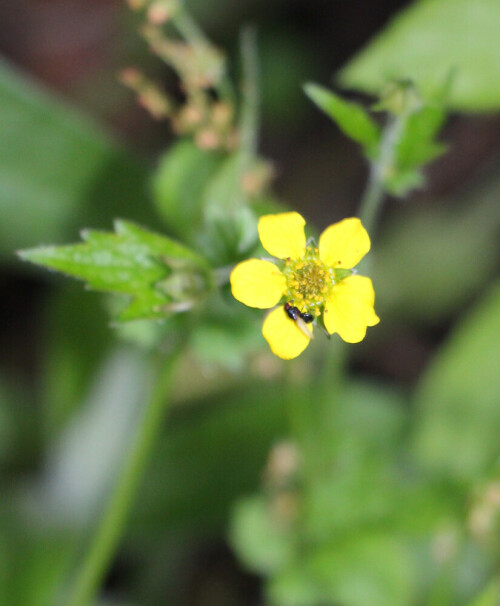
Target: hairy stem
(371,202)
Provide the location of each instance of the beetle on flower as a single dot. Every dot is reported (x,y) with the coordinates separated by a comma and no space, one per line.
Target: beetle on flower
(318,281)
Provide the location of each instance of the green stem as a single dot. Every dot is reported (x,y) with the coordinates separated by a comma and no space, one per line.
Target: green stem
(112,524)
(371,203)
(249,122)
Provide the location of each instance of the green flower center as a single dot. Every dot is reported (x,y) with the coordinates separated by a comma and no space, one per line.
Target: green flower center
(308,281)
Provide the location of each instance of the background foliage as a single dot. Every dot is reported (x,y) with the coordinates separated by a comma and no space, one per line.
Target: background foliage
(351,476)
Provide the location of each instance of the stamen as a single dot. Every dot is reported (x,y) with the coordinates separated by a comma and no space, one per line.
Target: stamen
(309,281)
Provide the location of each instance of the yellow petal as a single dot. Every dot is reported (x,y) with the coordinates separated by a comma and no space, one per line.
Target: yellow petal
(257,283)
(284,338)
(283,235)
(349,309)
(344,244)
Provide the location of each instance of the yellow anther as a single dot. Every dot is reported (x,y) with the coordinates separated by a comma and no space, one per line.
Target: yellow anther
(308,281)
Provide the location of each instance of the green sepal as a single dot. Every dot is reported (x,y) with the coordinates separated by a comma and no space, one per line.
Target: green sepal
(341,273)
(350,117)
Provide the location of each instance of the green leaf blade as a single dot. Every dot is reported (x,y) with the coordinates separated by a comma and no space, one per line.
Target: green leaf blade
(106,262)
(414,147)
(459,417)
(417,146)
(351,118)
(428,40)
(147,305)
(132,261)
(157,244)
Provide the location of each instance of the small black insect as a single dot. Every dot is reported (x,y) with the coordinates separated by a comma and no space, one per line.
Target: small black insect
(299,318)
(292,312)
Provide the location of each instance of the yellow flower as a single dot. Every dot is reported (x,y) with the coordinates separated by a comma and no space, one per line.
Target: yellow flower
(317,283)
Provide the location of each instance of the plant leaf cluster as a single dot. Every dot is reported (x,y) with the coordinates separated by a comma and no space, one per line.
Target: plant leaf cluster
(393,501)
(406,144)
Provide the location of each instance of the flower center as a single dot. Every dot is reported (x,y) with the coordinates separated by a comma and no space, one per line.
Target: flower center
(308,281)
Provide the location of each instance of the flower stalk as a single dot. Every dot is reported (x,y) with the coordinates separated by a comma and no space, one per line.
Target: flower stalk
(371,202)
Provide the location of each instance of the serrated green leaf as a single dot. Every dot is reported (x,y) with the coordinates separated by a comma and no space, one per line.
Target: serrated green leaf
(351,118)
(458,413)
(132,261)
(179,183)
(107,262)
(159,244)
(425,42)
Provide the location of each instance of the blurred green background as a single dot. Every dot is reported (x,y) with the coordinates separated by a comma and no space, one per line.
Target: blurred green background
(401,500)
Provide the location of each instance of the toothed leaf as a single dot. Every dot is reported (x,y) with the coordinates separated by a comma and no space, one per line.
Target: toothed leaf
(131,261)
